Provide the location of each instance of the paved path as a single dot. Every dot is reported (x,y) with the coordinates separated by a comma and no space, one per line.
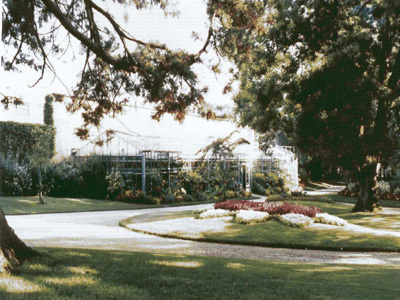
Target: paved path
(100,230)
(328,190)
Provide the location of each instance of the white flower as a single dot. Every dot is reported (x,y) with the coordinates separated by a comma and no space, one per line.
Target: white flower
(325,218)
(216,213)
(295,220)
(251,216)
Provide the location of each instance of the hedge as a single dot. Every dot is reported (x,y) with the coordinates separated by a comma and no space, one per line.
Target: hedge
(18,139)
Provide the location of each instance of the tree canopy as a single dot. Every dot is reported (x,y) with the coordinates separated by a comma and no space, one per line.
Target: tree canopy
(118,66)
(327,74)
(324,72)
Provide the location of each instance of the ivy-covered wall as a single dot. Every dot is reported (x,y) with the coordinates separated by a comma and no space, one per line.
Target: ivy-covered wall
(18,139)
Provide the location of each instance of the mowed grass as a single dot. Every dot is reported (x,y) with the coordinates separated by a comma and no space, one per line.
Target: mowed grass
(350,200)
(91,274)
(275,234)
(30,205)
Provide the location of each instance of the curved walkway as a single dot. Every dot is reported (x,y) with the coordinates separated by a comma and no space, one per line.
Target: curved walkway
(101,230)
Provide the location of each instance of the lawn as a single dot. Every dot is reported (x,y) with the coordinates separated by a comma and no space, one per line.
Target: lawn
(350,200)
(91,274)
(275,234)
(30,205)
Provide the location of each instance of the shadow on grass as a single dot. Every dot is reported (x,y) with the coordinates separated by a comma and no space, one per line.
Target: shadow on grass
(274,234)
(90,274)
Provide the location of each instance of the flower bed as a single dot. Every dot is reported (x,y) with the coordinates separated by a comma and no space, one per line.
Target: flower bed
(325,218)
(295,220)
(216,213)
(251,216)
(271,208)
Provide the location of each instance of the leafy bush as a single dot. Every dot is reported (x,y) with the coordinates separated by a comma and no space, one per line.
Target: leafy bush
(136,197)
(116,183)
(16,178)
(80,177)
(351,190)
(383,190)
(268,184)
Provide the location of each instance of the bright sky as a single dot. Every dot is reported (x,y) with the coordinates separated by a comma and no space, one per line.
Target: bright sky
(147,26)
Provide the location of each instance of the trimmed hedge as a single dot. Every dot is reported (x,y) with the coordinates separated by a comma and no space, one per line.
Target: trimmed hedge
(18,139)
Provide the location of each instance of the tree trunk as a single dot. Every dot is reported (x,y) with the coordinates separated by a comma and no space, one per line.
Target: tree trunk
(366,199)
(13,252)
(40,185)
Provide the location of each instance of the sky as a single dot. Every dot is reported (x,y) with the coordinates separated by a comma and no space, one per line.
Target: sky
(148,25)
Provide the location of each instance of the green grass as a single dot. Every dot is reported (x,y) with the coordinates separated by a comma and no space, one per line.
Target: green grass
(350,200)
(314,186)
(91,274)
(30,205)
(275,234)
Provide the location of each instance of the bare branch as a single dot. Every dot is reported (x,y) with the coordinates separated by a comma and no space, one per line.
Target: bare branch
(97,49)
(18,51)
(122,33)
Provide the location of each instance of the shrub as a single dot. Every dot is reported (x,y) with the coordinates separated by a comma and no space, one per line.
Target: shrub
(116,183)
(295,220)
(80,177)
(268,184)
(137,197)
(396,193)
(351,190)
(298,192)
(382,190)
(251,216)
(245,194)
(274,198)
(232,194)
(16,178)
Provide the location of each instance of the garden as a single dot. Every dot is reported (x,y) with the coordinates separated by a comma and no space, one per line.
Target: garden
(307,222)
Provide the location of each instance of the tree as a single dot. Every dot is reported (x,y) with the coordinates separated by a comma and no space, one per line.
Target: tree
(326,73)
(117,64)
(13,252)
(48,119)
(42,152)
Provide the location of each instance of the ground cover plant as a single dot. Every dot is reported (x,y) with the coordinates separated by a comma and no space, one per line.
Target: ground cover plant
(271,208)
(91,274)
